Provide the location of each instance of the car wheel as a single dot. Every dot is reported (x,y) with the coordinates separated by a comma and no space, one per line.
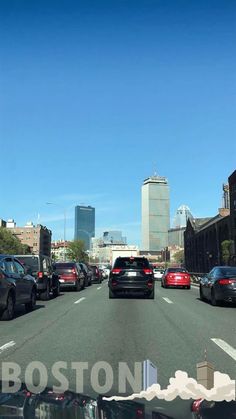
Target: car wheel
(151,296)
(188,287)
(45,295)
(9,312)
(78,286)
(111,294)
(214,301)
(31,305)
(201,294)
(56,291)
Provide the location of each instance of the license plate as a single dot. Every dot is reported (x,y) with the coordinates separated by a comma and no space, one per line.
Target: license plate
(178,277)
(61,280)
(132,273)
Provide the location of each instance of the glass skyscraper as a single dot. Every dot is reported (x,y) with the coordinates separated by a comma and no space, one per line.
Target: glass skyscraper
(84,224)
(155,213)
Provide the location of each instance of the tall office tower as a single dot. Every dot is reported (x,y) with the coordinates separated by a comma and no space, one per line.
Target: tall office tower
(205,374)
(181,217)
(84,224)
(155,213)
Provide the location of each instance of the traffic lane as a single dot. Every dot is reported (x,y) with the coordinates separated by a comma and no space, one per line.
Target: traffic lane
(25,325)
(130,330)
(219,320)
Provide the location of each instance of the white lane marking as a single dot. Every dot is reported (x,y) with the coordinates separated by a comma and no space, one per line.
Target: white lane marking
(7,345)
(226,347)
(167,300)
(79,301)
(98,288)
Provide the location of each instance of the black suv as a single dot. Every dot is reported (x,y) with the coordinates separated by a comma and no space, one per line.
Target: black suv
(40,267)
(131,275)
(16,287)
(87,273)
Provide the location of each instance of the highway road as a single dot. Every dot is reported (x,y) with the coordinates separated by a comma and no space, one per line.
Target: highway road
(172,331)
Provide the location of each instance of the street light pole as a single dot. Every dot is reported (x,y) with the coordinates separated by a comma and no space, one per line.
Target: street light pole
(64,212)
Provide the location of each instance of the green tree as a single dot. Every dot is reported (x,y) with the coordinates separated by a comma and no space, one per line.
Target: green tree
(76,251)
(179,256)
(11,245)
(226,250)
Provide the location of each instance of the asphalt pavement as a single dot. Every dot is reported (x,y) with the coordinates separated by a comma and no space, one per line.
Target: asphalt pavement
(173,331)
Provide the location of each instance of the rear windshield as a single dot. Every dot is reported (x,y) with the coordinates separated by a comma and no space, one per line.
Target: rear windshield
(176,270)
(131,263)
(64,267)
(31,261)
(227,272)
(94,268)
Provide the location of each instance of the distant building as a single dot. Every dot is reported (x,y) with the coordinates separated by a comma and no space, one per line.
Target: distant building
(113,237)
(203,236)
(84,224)
(3,223)
(176,237)
(181,217)
(155,213)
(59,250)
(37,238)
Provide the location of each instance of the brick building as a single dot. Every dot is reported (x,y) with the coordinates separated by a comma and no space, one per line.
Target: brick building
(38,237)
(203,236)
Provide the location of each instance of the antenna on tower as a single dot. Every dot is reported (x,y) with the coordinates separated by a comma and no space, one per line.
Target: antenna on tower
(205,355)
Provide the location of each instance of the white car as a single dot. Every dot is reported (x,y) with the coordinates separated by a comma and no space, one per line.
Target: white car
(158,273)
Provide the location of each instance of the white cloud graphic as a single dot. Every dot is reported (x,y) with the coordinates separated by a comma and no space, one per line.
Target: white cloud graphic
(187,388)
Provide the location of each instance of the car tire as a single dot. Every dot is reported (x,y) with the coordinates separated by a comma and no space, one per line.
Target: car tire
(56,291)
(151,296)
(78,286)
(31,305)
(45,295)
(188,287)
(201,294)
(214,301)
(9,311)
(111,294)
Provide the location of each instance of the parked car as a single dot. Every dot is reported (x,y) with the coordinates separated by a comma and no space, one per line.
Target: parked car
(70,275)
(97,276)
(131,275)
(176,277)
(219,285)
(41,268)
(158,273)
(16,287)
(203,409)
(87,273)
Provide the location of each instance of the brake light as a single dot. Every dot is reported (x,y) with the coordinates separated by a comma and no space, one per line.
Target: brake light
(150,284)
(196,405)
(186,276)
(40,274)
(147,271)
(116,271)
(113,283)
(226,281)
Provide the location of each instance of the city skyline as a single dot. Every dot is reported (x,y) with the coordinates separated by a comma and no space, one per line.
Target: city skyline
(97,97)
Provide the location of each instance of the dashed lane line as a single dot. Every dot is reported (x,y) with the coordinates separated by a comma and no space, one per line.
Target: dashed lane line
(7,346)
(79,301)
(167,300)
(226,347)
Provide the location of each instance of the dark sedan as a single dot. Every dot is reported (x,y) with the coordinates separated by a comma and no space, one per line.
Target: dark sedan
(219,285)
(16,287)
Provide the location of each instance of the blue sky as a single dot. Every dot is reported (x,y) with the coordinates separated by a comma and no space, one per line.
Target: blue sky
(97,95)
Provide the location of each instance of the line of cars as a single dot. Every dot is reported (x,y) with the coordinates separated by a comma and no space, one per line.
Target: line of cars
(24,278)
(136,276)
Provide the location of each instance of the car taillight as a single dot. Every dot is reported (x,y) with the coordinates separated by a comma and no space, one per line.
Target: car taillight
(116,271)
(226,281)
(150,284)
(113,283)
(196,405)
(147,271)
(186,276)
(140,413)
(40,274)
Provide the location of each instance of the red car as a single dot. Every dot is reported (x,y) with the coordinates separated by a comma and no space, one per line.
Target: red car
(176,277)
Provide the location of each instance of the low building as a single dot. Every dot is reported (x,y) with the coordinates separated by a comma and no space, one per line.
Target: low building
(36,237)
(3,223)
(59,250)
